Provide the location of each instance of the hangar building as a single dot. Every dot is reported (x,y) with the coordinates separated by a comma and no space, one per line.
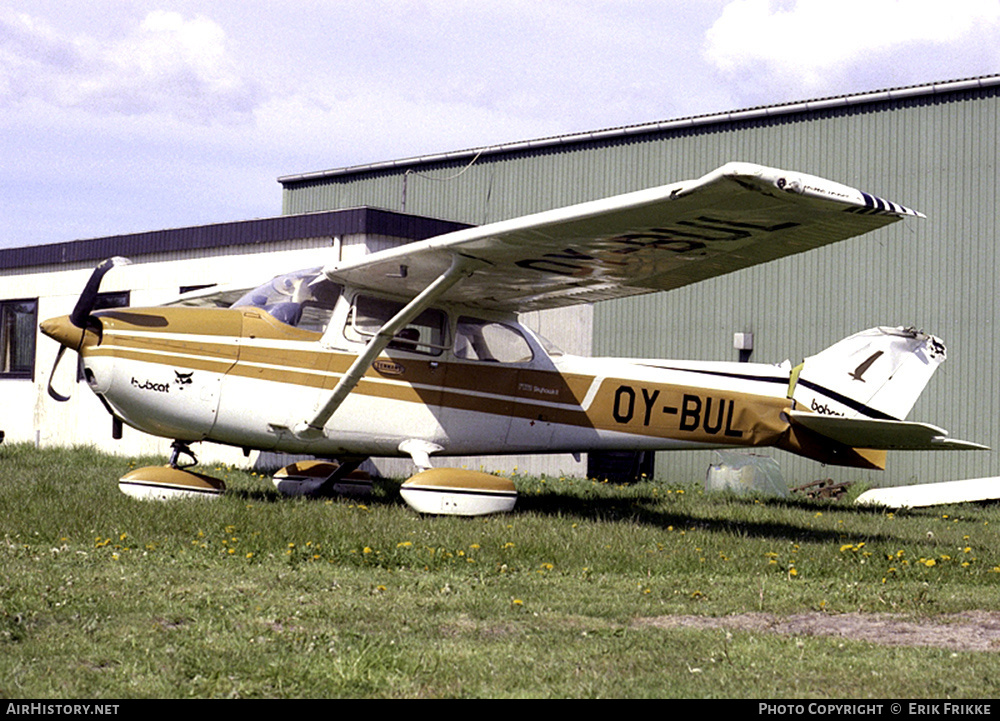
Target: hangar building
(930,147)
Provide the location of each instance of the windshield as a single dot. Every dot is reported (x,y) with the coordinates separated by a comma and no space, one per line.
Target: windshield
(304,299)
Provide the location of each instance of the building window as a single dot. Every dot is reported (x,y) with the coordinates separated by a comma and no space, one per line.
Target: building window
(18,322)
(121,299)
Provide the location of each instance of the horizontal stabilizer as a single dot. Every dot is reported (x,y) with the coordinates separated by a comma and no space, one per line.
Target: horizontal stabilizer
(882,434)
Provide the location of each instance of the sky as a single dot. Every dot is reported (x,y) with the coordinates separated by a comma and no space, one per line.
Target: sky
(119,116)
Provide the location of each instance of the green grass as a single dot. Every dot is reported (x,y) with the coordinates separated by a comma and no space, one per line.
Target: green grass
(255,595)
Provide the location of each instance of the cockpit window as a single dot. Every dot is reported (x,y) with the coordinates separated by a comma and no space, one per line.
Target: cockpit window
(304,299)
(486,340)
(427,333)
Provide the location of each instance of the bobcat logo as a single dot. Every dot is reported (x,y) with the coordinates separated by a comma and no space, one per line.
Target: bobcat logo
(183,379)
(864,366)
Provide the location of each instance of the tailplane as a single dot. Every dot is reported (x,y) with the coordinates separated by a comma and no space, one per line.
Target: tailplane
(878,373)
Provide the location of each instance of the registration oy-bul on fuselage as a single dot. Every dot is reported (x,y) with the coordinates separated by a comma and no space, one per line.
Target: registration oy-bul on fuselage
(417,351)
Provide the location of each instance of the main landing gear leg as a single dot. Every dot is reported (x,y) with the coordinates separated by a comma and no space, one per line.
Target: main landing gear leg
(347,466)
(324,478)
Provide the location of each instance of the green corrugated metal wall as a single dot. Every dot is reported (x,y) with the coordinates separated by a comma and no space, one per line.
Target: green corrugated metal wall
(936,152)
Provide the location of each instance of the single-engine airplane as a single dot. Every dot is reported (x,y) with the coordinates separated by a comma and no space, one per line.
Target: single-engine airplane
(417,350)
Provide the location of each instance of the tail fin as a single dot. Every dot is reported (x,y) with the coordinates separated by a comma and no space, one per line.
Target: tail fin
(878,373)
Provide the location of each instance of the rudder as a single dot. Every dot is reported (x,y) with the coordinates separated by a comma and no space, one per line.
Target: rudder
(877,373)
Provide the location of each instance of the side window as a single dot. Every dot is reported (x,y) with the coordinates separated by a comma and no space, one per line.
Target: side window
(486,340)
(426,334)
(18,321)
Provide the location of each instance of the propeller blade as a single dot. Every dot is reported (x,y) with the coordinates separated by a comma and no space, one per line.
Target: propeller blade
(88,297)
(52,391)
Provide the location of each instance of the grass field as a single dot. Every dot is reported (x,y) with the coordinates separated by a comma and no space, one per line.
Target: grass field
(586,590)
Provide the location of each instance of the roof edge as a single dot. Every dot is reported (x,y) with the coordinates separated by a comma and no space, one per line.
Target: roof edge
(317,224)
(762,111)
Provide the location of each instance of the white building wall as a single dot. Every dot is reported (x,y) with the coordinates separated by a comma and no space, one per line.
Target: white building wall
(29,414)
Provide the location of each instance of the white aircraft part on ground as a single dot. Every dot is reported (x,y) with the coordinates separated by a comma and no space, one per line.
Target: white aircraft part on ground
(933,494)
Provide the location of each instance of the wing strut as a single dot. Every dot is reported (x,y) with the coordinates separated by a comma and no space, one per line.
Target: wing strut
(461,267)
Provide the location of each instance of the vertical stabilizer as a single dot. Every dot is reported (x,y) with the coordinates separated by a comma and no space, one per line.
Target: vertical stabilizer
(878,373)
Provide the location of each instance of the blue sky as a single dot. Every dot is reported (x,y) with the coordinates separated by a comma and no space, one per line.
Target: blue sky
(119,116)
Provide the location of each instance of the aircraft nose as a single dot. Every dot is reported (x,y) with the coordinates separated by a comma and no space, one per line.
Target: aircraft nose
(62,330)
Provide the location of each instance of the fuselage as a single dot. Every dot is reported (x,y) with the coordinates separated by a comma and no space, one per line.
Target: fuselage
(476,385)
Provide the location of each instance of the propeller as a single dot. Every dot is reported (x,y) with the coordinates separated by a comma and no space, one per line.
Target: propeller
(81,313)
(71,330)
(53,393)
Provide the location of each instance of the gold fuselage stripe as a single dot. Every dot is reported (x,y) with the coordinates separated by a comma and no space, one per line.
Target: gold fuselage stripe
(251,345)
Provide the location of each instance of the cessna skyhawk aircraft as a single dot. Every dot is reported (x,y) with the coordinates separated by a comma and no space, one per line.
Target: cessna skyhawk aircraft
(417,351)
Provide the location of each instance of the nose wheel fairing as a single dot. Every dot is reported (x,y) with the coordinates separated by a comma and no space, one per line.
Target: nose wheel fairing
(162,483)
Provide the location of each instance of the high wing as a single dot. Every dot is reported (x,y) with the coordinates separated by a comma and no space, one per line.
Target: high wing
(656,239)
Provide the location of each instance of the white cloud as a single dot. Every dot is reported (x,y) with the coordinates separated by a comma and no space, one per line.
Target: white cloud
(811,45)
(167,65)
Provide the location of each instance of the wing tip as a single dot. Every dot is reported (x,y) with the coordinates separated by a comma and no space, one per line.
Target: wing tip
(811,185)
